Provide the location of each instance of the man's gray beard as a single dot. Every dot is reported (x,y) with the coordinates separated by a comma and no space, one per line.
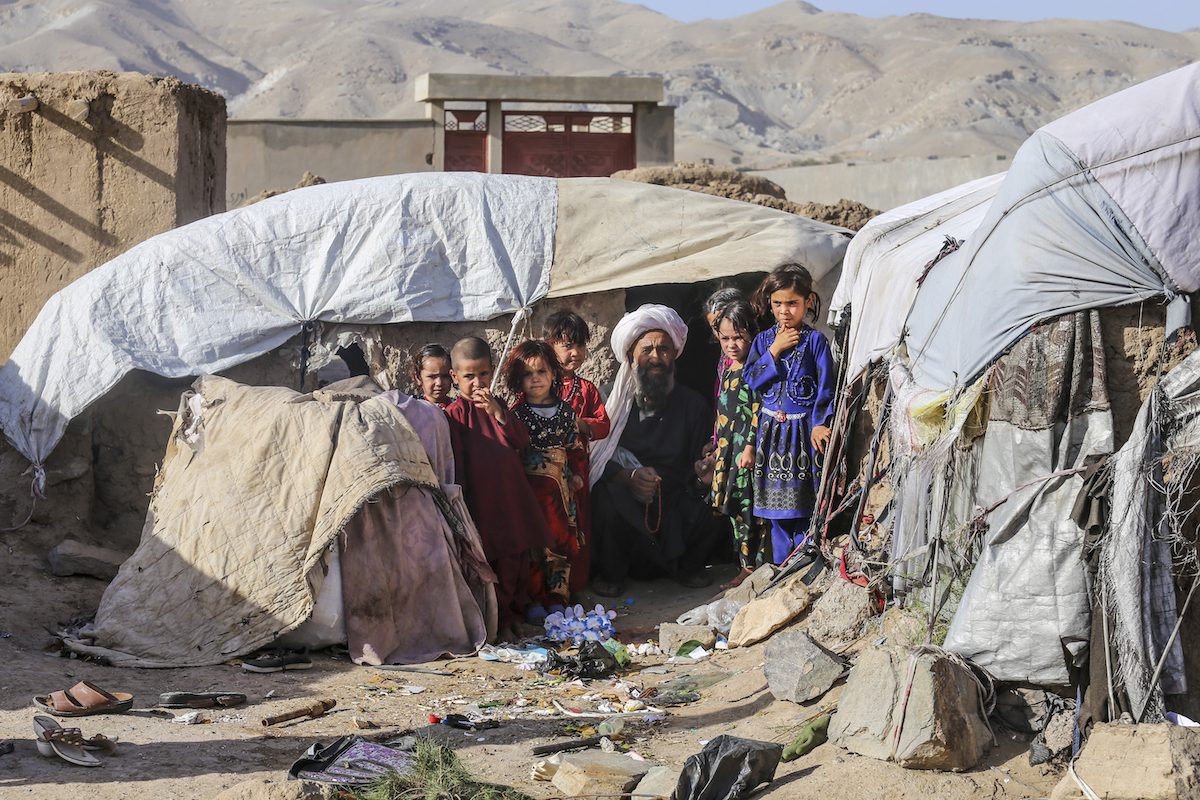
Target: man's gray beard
(650,391)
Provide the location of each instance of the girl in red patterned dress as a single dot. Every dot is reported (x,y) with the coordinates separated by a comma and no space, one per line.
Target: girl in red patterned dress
(555,462)
(568,334)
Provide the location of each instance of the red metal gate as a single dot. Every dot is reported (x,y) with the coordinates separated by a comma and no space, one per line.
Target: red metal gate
(567,144)
(466,141)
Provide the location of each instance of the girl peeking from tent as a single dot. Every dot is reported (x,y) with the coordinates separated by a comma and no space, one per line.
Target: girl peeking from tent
(431,374)
(791,367)
(736,429)
(555,463)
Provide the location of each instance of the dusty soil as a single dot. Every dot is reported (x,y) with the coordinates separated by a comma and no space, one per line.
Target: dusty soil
(161,759)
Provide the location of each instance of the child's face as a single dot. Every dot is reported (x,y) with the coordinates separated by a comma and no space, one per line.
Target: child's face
(711,316)
(472,374)
(435,380)
(734,343)
(570,355)
(789,307)
(537,381)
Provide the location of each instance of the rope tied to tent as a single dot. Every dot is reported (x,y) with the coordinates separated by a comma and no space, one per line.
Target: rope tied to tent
(519,316)
(37,491)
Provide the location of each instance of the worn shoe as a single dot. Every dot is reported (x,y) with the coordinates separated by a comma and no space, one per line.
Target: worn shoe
(277,662)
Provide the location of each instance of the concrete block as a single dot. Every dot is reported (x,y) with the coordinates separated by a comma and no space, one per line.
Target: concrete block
(941,724)
(798,669)
(659,784)
(593,773)
(70,557)
(838,616)
(761,618)
(1148,762)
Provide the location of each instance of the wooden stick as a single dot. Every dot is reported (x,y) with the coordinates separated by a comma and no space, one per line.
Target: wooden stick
(314,709)
(573,744)
(23,105)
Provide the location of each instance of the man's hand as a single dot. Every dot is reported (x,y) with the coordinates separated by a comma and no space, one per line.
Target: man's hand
(643,483)
(746,459)
(820,438)
(705,468)
(576,483)
(785,340)
(484,400)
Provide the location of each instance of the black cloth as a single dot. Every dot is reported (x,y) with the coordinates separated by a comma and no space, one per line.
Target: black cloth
(670,441)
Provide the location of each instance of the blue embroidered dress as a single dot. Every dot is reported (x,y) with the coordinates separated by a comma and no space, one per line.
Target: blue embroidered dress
(797,394)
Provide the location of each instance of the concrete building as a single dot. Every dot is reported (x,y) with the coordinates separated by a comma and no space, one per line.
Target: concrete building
(515,124)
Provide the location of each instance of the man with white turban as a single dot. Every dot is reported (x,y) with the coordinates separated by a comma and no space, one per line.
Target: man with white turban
(649,511)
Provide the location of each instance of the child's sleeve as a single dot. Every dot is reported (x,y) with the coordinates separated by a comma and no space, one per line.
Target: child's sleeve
(826,379)
(513,432)
(761,370)
(594,413)
(745,419)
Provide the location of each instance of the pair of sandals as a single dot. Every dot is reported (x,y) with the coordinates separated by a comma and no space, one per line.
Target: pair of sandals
(69,744)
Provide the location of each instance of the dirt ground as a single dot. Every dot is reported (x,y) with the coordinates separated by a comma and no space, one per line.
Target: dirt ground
(157,758)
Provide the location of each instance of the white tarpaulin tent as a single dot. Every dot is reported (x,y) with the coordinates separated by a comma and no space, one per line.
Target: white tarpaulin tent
(1099,208)
(423,247)
(886,258)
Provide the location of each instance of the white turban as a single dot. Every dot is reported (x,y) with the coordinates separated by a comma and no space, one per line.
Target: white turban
(632,327)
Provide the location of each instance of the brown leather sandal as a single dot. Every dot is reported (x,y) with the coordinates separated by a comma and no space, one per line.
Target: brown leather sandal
(84,699)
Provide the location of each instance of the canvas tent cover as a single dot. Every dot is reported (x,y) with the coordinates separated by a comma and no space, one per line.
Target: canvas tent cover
(422,247)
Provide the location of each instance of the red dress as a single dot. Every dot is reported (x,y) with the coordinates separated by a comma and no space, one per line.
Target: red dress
(505,510)
(553,460)
(584,399)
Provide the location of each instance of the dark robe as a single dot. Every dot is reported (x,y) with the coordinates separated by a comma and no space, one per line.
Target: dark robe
(509,519)
(670,441)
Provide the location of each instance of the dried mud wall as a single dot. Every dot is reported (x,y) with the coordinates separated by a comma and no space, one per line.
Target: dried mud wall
(104,162)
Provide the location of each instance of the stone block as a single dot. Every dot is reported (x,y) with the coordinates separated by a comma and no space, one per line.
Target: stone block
(598,773)
(1148,762)
(941,724)
(672,636)
(798,669)
(70,557)
(838,616)
(754,585)
(759,619)
(659,784)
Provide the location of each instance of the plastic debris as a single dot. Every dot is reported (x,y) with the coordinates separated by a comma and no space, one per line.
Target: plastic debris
(191,718)
(513,655)
(577,626)
(728,768)
(544,769)
(611,726)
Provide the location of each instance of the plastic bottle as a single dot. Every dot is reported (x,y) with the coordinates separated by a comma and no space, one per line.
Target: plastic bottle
(611,726)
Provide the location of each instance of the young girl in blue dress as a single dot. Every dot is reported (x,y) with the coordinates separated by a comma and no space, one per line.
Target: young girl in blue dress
(791,367)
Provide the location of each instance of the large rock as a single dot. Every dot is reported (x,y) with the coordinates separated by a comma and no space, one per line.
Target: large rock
(838,616)
(672,636)
(659,784)
(70,557)
(1123,762)
(759,619)
(940,720)
(798,669)
(600,773)
(754,585)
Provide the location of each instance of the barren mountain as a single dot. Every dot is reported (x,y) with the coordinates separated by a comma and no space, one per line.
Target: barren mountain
(788,83)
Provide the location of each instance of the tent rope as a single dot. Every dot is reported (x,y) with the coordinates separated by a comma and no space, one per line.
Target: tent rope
(519,316)
(37,491)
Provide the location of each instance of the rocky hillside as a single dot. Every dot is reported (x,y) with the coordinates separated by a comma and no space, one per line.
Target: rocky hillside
(787,84)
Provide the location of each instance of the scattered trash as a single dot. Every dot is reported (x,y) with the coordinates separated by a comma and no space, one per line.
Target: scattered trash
(312,710)
(606,745)
(545,768)
(363,724)
(562,747)
(1180,719)
(423,670)
(619,652)
(611,726)
(191,718)
(645,649)
(678,697)
(811,736)
(269,694)
(350,760)
(413,689)
(728,768)
(577,626)
(592,661)
(513,655)
(463,722)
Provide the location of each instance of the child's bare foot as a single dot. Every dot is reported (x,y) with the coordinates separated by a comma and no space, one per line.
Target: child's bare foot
(737,579)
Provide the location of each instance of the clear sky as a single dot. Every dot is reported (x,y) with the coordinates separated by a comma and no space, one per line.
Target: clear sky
(1171,15)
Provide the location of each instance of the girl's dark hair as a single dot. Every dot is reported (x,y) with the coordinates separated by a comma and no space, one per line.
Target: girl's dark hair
(431,350)
(514,368)
(740,314)
(786,276)
(722,297)
(566,326)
